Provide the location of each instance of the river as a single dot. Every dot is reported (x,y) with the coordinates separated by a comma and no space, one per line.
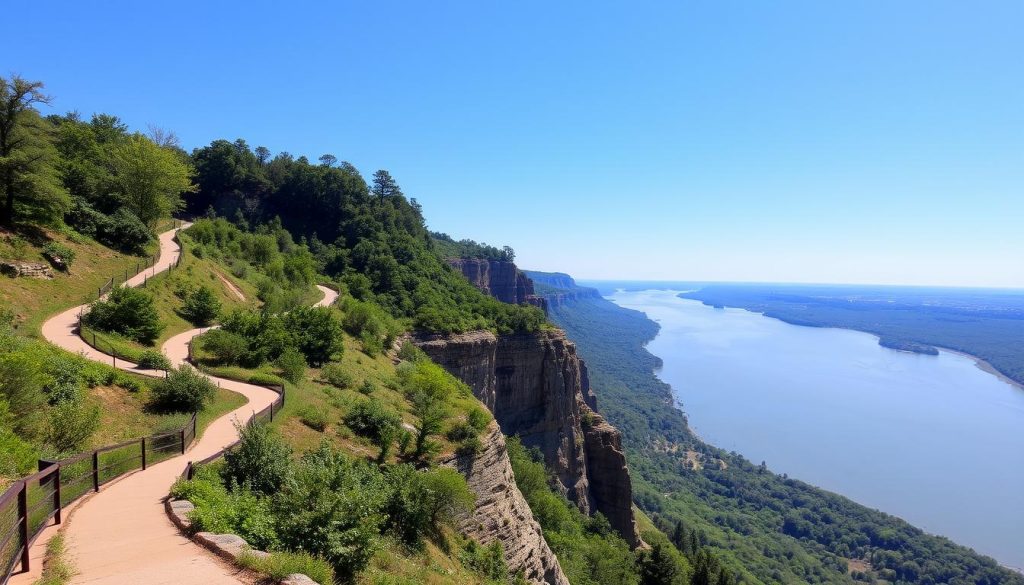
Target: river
(932,439)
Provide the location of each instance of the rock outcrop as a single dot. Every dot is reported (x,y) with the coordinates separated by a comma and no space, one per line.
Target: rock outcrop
(537,387)
(558,288)
(25,269)
(501,512)
(499,279)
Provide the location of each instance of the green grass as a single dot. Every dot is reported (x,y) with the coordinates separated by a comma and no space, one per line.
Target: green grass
(34,300)
(279,565)
(57,569)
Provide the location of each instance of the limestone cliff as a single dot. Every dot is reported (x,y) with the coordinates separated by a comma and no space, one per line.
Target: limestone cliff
(501,512)
(558,288)
(537,387)
(502,280)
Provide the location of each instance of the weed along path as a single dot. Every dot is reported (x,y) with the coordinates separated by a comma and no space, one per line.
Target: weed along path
(122,535)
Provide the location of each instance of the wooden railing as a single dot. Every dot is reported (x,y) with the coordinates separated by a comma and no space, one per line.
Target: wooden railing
(265,415)
(27,506)
(30,503)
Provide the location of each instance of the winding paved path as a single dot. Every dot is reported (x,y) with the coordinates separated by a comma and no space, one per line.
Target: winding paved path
(121,535)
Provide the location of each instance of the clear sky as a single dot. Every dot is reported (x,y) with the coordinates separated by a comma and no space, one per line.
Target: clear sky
(863,141)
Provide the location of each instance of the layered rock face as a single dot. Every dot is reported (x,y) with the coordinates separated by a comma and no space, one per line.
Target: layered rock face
(537,388)
(501,512)
(501,280)
(558,288)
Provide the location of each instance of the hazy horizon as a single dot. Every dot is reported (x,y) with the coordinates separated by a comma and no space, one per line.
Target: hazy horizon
(785,142)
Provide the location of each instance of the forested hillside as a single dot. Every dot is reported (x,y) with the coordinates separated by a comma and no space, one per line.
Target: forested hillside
(767,527)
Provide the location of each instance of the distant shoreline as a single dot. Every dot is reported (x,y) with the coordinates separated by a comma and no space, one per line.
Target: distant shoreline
(980,363)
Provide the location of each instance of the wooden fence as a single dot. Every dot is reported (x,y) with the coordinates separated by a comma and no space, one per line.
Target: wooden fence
(27,506)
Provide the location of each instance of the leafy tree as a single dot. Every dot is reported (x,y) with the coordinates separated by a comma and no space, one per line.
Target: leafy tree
(317,333)
(30,187)
(184,390)
(150,178)
(201,306)
(657,567)
(128,311)
(260,461)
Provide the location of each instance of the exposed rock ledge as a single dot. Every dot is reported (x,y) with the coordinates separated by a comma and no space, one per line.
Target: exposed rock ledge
(501,512)
(537,388)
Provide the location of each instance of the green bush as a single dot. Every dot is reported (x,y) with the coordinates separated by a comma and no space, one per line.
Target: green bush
(128,311)
(71,423)
(317,333)
(125,231)
(313,418)
(280,565)
(184,390)
(239,511)
(59,254)
(292,364)
(154,360)
(488,560)
(410,353)
(333,508)
(367,388)
(201,306)
(336,375)
(225,347)
(478,418)
(260,460)
(371,419)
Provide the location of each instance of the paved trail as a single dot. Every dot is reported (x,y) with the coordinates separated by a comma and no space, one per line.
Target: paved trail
(121,535)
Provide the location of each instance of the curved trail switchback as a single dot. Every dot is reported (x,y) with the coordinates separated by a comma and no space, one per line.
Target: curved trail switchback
(122,535)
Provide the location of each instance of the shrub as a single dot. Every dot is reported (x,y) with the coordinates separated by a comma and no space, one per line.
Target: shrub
(371,419)
(410,353)
(292,364)
(125,231)
(201,306)
(59,255)
(461,431)
(71,424)
(128,311)
(218,510)
(279,565)
(336,375)
(478,418)
(224,346)
(367,388)
(469,446)
(260,460)
(154,360)
(333,508)
(313,418)
(184,390)
(317,333)
(487,560)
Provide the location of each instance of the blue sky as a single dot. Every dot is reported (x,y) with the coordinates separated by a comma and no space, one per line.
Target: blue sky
(866,142)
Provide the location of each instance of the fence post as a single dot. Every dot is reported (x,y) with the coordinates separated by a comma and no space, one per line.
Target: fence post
(23,529)
(183,441)
(96,471)
(271,412)
(143,453)
(56,495)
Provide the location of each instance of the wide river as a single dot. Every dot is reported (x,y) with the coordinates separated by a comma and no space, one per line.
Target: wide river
(932,439)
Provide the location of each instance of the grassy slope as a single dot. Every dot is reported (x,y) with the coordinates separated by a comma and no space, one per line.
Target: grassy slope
(34,300)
